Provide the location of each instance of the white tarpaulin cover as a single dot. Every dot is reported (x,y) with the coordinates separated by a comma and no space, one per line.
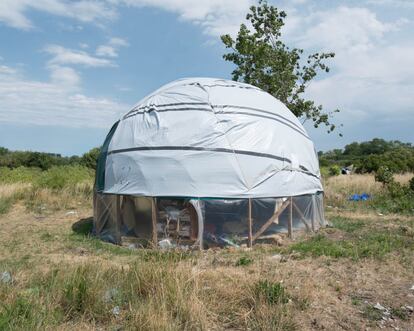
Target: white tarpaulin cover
(205,137)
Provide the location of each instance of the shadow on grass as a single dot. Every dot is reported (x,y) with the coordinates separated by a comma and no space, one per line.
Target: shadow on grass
(83,227)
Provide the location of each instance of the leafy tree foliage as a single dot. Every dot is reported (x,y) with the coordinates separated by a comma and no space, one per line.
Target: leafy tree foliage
(263,60)
(45,161)
(3,151)
(89,159)
(370,156)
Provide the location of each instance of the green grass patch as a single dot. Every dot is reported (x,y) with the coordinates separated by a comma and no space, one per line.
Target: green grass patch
(400,313)
(98,246)
(46,236)
(372,243)
(18,315)
(321,245)
(401,202)
(272,293)
(371,313)
(5,204)
(244,261)
(346,224)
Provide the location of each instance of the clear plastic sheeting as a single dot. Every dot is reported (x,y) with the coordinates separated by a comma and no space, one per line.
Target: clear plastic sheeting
(106,218)
(226,221)
(189,223)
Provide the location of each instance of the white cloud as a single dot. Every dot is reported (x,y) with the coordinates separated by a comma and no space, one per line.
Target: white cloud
(118,42)
(406,4)
(106,51)
(52,103)
(5,70)
(215,16)
(64,56)
(344,28)
(111,48)
(372,71)
(372,82)
(372,76)
(13,12)
(64,76)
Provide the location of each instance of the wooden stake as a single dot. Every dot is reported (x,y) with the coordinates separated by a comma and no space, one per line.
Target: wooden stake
(290,218)
(154,222)
(250,223)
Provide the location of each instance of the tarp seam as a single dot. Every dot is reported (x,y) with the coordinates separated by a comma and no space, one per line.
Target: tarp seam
(293,127)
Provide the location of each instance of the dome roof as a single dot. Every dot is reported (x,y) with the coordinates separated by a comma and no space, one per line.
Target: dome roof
(206,137)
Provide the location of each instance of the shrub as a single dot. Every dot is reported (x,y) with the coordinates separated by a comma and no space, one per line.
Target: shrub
(57,178)
(18,175)
(395,198)
(411,184)
(384,175)
(334,170)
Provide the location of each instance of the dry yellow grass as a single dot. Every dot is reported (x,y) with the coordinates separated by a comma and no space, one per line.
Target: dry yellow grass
(338,188)
(41,200)
(60,280)
(56,273)
(45,199)
(359,182)
(8,190)
(403,178)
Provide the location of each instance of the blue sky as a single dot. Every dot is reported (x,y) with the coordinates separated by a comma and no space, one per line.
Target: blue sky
(69,69)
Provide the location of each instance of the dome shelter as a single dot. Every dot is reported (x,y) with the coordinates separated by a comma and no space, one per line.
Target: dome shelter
(205,162)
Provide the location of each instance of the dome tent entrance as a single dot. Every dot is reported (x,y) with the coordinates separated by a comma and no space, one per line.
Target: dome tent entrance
(217,155)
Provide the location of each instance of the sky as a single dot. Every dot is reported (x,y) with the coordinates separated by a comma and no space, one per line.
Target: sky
(70,68)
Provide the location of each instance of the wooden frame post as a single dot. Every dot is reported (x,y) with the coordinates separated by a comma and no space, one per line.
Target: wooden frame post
(302,217)
(290,221)
(271,220)
(154,222)
(250,224)
(118,216)
(313,214)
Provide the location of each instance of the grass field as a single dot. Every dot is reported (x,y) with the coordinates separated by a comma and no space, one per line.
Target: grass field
(54,279)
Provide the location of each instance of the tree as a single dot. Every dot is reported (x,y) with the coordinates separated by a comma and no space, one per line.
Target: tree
(89,158)
(3,151)
(263,60)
